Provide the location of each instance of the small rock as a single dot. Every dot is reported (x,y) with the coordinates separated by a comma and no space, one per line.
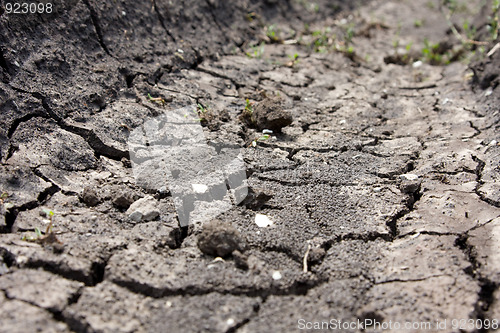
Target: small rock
(123,199)
(269,114)
(408,176)
(90,197)
(410,183)
(219,239)
(144,209)
(316,254)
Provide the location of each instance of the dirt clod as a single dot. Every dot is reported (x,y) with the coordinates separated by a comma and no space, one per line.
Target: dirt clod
(123,199)
(219,239)
(269,114)
(90,197)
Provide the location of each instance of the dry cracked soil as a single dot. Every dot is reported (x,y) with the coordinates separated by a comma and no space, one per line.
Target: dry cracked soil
(376,195)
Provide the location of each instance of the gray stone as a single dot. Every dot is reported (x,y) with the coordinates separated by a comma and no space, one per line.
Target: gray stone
(410,183)
(144,209)
(123,199)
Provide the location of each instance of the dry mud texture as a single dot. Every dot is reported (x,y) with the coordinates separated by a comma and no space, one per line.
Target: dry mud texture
(379,246)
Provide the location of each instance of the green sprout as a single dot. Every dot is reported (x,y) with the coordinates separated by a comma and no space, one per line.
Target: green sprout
(201,108)
(272,33)
(294,60)
(493,25)
(49,235)
(418,23)
(321,40)
(263,137)
(201,111)
(248,106)
(158,100)
(3,197)
(431,54)
(257,51)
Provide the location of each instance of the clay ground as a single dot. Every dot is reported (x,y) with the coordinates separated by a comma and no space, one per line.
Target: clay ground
(339,182)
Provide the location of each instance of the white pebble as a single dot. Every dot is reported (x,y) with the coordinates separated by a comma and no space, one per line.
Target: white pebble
(417,64)
(199,188)
(409,176)
(263,221)
(277,275)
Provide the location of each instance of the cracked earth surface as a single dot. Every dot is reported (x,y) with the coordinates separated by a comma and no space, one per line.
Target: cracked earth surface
(337,182)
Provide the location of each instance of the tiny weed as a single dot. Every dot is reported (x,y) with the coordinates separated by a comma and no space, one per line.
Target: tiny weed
(418,23)
(294,60)
(49,237)
(261,138)
(257,51)
(247,114)
(430,53)
(470,31)
(321,40)
(201,112)
(272,33)
(248,106)
(3,197)
(493,25)
(201,108)
(158,100)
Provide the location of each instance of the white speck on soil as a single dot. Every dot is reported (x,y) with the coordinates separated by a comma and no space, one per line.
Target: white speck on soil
(199,188)
(263,221)
(408,176)
(277,275)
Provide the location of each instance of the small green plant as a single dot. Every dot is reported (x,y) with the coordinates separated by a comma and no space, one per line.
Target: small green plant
(294,59)
(257,51)
(248,106)
(201,108)
(157,100)
(202,112)
(247,114)
(431,54)
(322,40)
(261,138)
(418,23)
(3,197)
(49,236)
(470,31)
(349,34)
(493,25)
(272,33)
